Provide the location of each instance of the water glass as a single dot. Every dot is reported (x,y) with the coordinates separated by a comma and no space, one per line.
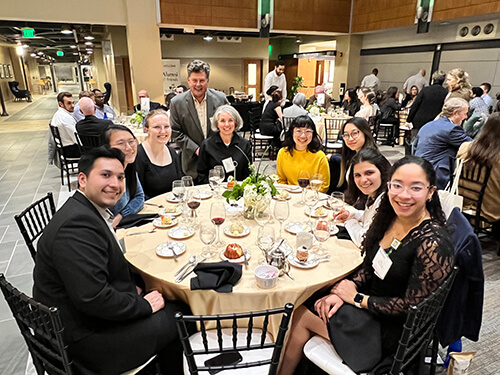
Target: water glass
(207,236)
(336,203)
(321,232)
(281,213)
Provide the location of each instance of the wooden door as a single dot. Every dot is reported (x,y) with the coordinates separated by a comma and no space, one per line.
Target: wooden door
(320,72)
(128,83)
(253,78)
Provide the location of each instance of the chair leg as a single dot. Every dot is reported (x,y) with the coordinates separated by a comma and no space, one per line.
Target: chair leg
(434,353)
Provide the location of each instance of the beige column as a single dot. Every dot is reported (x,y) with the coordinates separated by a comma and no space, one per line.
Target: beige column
(144,49)
(347,65)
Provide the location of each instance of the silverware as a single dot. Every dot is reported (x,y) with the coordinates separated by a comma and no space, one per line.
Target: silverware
(188,271)
(191,260)
(245,259)
(288,274)
(152,230)
(153,204)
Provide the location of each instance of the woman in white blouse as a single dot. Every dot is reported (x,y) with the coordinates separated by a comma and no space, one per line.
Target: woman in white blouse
(367,183)
(368,108)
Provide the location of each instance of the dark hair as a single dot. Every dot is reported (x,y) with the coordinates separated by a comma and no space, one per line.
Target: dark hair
(95,90)
(353,95)
(477,91)
(487,85)
(130,170)
(485,149)
(375,71)
(277,96)
(385,214)
(87,160)
(411,88)
(198,66)
(169,98)
(391,93)
(183,87)
(302,122)
(354,196)
(279,62)
(62,95)
(346,152)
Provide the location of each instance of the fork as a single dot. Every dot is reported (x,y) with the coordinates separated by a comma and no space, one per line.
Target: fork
(153,204)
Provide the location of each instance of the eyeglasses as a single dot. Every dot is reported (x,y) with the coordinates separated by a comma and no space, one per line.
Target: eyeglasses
(122,144)
(397,188)
(307,132)
(353,135)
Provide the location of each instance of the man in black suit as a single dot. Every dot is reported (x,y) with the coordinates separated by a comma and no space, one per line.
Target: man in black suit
(91,125)
(152,105)
(110,325)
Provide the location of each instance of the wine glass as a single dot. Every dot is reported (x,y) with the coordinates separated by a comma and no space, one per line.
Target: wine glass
(207,236)
(213,180)
(303,181)
(179,190)
(218,216)
(188,181)
(193,202)
(265,240)
(221,173)
(311,199)
(316,181)
(262,216)
(281,213)
(321,233)
(336,202)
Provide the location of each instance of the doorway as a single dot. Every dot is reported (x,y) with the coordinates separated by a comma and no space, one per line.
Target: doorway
(253,78)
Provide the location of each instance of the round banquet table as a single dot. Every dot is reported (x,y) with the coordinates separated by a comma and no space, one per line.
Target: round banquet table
(158,272)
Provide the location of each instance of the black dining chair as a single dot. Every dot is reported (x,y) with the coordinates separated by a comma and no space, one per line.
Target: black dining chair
(333,138)
(33,220)
(253,344)
(19,94)
(260,143)
(68,165)
(87,142)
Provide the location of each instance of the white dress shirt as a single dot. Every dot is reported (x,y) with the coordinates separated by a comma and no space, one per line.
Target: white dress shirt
(371,81)
(487,99)
(201,109)
(359,224)
(66,123)
(273,79)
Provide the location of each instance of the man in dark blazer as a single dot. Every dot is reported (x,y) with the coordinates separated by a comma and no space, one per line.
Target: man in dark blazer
(91,125)
(152,105)
(110,325)
(190,114)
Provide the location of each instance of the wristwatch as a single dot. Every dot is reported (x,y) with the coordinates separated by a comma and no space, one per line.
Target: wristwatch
(358,298)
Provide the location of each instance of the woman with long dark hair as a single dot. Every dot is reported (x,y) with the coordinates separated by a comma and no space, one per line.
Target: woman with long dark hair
(410,98)
(408,232)
(368,100)
(272,117)
(302,151)
(351,102)
(388,108)
(132,200)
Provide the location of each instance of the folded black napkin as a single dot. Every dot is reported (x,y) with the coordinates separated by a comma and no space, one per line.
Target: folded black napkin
(135,220)
(220,276)
(343,234)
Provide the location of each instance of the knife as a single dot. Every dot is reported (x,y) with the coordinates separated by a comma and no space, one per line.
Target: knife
(188,271)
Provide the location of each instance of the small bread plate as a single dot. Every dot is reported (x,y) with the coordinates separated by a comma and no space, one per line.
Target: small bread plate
(158,224)
(167,249)
(204,194)
(312,213)
(293,189)
(171,210)
(236,234)
(241,259)
(173,199)
(295,227)
(181,233)
(282,196)
(311,262)
(333,229)
(285,247)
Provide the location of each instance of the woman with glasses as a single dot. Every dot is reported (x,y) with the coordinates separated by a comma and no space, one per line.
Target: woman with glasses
(158,165)
(367,184)
(302,151)
(132,200)
(225,147)
(408,232)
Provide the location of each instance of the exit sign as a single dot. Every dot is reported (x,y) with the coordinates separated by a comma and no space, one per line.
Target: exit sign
(28,33)
(60,53)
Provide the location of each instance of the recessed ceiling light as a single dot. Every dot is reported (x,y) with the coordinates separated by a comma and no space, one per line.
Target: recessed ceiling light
(89,37)
(89,43)
(90,52)
(66,29)
(208,38)
(40,53)
(72,46)
(75,53)
(33,55)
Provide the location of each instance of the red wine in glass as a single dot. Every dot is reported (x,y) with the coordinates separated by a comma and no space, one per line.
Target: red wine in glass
(303,182)
(193,205)
(218,220)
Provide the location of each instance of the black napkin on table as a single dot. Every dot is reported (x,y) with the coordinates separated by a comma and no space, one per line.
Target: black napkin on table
(343,234)
(135,220)
(220,276)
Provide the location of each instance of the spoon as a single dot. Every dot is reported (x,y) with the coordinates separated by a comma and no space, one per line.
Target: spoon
(191,260)
(152,230)
(153,204)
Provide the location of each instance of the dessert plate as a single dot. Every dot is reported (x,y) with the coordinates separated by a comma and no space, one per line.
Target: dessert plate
(241,259)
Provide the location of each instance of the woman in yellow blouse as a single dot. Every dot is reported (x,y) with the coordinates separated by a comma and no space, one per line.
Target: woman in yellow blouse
(302,151)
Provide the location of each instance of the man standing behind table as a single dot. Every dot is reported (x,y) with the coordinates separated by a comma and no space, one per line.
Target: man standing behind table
(371,81)
(276,77)
(66,124)
(91,125)
(103,111)
(415,80)
(320,97)
(191,112)
(486,89)
(111,326)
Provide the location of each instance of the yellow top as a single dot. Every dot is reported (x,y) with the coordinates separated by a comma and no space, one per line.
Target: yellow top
(288,167)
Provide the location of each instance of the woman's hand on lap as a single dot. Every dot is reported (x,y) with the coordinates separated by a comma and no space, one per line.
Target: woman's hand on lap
(327,306)
(345,289)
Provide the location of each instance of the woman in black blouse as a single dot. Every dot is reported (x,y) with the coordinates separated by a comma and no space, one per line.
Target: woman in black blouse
(158,165)
(272,117)
(351,102)
(221,148)
(420,260)
(388,108)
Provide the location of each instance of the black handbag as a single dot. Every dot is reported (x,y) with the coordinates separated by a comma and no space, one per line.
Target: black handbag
(355,335)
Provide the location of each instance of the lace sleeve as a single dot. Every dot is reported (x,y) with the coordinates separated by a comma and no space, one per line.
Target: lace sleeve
(433,262)
(363,274)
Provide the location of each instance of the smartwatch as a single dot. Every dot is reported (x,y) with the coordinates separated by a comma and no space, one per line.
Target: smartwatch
(358,298)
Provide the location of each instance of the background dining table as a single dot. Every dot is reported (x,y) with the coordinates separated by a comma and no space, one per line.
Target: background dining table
(158,272)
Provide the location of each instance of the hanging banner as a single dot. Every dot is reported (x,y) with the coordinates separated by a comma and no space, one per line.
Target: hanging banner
(171,75)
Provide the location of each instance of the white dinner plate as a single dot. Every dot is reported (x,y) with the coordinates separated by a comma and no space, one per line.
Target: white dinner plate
(173,199)
(167,249)
(175,212)
(227,232)
(295,227)
(204,194)
(241,259)
(293,189)
(311,262)
(313,215)
(157,223)
(181,233)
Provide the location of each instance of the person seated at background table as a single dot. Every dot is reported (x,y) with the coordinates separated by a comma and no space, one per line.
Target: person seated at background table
(158,165)
(225,147)
(388,108)
(420,261)
(90,124)
(485,151)
(351,102)
(368,108)
(297,107)
(302,151)
(272,117)
(458,84)
(132,200)
(477,106)
(367,184)
(110,324)
(319,91)
(77,114)
(438,140)
(168,99)
(410,98)
(103,110)
(152,105)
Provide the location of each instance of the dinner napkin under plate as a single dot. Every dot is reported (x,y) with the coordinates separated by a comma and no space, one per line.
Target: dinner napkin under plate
(135,220)
(220,276)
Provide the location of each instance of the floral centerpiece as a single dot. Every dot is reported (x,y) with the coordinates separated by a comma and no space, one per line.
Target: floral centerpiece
(138,118)
(257,190)
(315,110)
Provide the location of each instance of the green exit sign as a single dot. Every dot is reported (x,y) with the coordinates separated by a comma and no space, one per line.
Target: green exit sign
(60,53)
(28,33)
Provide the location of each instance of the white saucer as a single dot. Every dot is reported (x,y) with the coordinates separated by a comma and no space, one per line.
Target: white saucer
(167,249)
(181,233)
(311,262)
(241,259)
(246,232)
(157,223)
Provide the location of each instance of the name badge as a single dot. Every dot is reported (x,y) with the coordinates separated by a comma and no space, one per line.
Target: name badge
(228,164)
(381,263)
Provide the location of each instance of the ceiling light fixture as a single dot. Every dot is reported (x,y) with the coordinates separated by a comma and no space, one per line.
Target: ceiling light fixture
(208,38)
(88,36)
(33,55)
(66,29)
(72,46)
(40,53)
(26,46)
(75,53)
(89,43)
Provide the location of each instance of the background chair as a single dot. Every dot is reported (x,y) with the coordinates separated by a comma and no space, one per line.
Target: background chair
(254,345)
(259,142)
(417,332)
(18,93)
(374,122)
(33,220)
(287,121)
(333,139)
(66,163)
(87,142)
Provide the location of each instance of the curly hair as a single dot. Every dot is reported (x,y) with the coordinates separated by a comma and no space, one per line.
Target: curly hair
(386,215)
(462,78)
(485,149)
(302,122)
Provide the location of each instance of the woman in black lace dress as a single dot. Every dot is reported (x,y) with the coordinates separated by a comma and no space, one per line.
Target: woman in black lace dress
(409,228)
